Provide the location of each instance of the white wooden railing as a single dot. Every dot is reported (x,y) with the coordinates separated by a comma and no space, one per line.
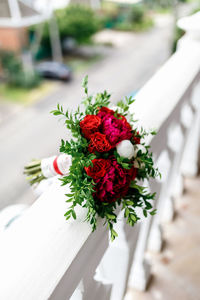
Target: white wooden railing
(44,257)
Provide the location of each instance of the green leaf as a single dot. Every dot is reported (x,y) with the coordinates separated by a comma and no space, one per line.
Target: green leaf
(141,189)
(68,213)
(69,195)
(145,213)
(128,202)
(113,234)
(133,217)
(74,214)
(112,217)
(127,212)
(153,212)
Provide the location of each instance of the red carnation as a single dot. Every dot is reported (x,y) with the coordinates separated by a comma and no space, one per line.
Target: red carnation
(89,125)
(99,143)
(99,168)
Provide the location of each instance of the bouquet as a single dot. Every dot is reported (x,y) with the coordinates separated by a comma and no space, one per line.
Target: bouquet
(105,162)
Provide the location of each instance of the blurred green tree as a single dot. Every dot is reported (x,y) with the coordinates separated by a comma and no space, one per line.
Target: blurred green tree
(14,73)
(77,21)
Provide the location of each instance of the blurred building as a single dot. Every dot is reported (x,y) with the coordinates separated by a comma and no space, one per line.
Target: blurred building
(15,17)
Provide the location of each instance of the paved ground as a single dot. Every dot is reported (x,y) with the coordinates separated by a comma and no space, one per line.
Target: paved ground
(34,133)
(176,271)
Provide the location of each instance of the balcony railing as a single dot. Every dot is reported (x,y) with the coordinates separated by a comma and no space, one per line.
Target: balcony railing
(44,257)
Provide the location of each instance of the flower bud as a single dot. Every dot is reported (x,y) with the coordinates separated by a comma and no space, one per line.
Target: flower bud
(125,149)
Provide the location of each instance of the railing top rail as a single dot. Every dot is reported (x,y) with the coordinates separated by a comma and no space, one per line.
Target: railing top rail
(160,95)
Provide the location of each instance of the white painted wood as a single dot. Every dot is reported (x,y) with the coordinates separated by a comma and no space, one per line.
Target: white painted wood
(42,247)
(96,288)
(164,90)
(78,293)
(116,262)
(168,209)
(155,239)
(155,242)
(191,153)
(178,187)
(140,272)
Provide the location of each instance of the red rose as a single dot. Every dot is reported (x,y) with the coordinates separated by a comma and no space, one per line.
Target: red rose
(89,125)
(99,143)
(99,169)
(105,111)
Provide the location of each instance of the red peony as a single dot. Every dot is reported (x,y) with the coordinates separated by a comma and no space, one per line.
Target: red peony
(115,183)
(99,143)
(115,130)
(89,125)
(125,121)
(99,168)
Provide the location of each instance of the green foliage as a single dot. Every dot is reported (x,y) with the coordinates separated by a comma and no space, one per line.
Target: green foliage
(137,14)
(178,33)
(82,186)
(124,105)
(77,21)
(14,73)
(126,18)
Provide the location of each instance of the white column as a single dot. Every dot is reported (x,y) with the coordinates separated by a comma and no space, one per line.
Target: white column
(191,152)
(141,270)
(116,262)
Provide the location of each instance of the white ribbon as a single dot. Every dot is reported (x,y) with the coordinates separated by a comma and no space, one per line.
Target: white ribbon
(63,163)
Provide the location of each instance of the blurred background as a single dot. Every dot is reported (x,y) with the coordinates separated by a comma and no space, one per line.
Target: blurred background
(47,47)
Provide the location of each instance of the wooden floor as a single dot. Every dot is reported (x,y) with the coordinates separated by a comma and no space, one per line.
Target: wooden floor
(176,271)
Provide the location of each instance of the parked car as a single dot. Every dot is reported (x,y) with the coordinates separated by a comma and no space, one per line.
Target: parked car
(54,70)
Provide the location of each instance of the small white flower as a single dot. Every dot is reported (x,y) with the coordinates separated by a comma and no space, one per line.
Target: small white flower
(138,164)
(125,149)
(137,148)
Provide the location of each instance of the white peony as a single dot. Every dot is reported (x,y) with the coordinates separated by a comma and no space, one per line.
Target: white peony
(125,149)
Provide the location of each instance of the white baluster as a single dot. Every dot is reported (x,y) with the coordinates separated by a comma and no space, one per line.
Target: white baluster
(191,153)
(141,271)
(78,293)
(178,185)
(155,241)
(186,121)
(96,287)
(115,264)
(175,144)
